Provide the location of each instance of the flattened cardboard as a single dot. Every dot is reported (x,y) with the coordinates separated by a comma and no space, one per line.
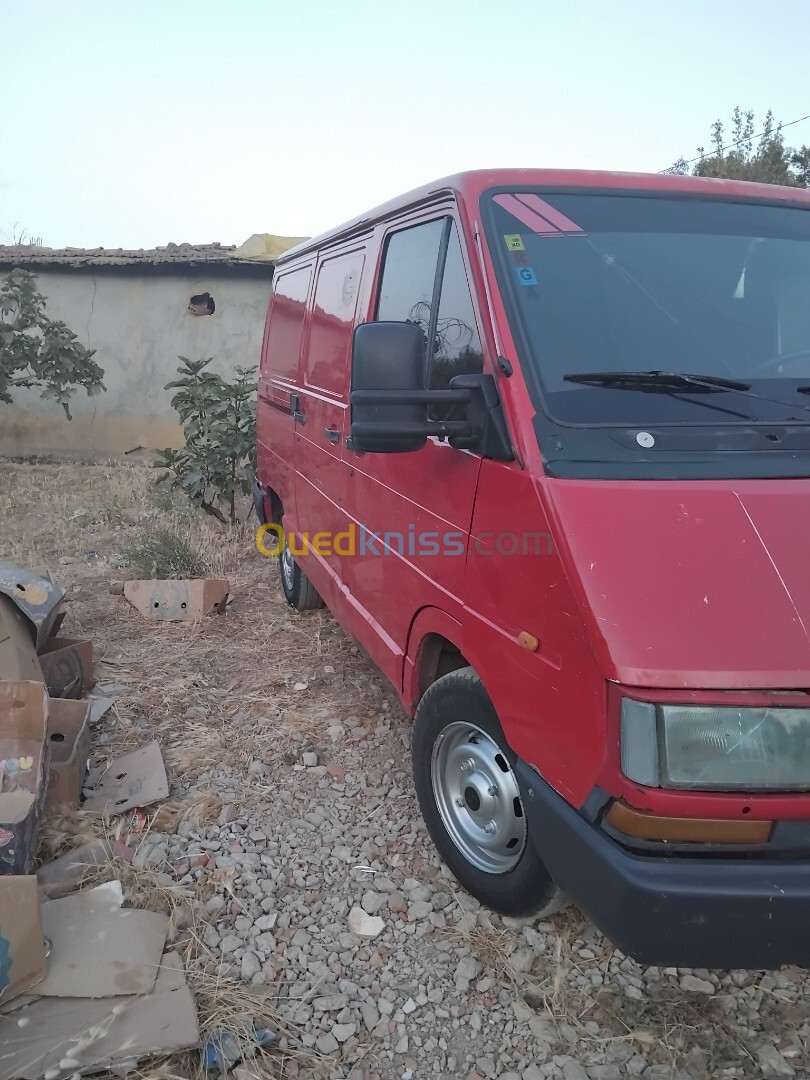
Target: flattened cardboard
(177,601)
(23,772)
(67,667)
(18,654)
(124,1029)
(22,945)
(135,779)
(103,698)
(69,744)
(98,948)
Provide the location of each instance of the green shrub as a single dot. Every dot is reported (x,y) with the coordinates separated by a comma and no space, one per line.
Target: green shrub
(219,425)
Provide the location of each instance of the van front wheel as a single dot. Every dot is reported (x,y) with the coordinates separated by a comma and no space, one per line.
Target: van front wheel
(298,589)
(470,799)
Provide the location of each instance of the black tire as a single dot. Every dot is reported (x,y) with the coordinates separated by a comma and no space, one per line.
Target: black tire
(301,594)
(517,888)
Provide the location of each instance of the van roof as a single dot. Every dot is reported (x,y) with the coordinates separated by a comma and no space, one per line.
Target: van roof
(469,186)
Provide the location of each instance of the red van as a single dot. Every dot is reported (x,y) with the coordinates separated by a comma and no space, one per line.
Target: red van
(541,441)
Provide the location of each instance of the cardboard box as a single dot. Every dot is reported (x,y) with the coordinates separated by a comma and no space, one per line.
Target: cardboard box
(177,601)
(67,667)
(69,745)
(23,772)
(18,654)
(22,946)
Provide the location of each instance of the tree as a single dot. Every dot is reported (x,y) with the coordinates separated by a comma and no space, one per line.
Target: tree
(37,351)
(741,154)
(219,425)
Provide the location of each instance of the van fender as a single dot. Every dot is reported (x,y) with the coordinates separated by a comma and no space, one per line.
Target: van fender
(427,621)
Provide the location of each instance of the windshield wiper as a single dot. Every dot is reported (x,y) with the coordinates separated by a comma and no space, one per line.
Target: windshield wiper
(675,379)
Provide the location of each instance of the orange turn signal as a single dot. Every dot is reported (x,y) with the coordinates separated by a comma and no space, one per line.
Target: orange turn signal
(687,830)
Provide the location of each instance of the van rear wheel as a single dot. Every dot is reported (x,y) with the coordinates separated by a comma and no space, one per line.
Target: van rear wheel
(470,799)
(298,589)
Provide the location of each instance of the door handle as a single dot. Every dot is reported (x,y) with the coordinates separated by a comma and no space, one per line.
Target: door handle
(332,434)
(295,409)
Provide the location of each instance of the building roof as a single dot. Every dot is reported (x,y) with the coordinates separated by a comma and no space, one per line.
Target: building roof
(172,256)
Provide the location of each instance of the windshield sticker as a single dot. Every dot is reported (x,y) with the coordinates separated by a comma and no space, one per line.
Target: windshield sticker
(514,242)
(526,275)
(538,215)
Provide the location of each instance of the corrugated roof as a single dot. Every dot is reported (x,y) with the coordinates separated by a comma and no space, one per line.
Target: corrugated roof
(32,257)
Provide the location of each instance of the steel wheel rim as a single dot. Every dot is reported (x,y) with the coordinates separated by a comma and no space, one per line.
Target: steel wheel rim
(287,567)
(478,798)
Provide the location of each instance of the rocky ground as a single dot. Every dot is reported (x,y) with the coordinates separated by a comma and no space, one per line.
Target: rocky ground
(313,879)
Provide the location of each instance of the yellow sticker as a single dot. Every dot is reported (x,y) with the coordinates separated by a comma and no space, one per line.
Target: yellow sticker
(514,242)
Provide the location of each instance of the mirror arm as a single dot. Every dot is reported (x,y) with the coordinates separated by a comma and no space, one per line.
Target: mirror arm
(450,429)
(411,397)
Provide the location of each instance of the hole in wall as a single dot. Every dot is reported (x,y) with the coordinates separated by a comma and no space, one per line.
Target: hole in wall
(202,304)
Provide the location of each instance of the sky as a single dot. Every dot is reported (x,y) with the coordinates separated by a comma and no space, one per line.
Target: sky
(132,125)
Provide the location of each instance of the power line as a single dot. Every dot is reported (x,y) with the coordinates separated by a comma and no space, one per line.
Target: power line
(730,146)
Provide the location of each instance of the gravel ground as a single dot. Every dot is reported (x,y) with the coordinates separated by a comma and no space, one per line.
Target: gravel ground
(318,879)
(329,888)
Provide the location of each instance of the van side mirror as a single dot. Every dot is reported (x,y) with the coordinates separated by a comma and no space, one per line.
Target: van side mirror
(388,364)
(389,400)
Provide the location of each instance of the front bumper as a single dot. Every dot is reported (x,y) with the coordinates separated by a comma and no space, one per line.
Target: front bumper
(680,911)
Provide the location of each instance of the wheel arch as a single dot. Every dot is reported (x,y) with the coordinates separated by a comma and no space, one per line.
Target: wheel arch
(434,648)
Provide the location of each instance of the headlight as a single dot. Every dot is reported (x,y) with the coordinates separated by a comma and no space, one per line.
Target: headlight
(715,749)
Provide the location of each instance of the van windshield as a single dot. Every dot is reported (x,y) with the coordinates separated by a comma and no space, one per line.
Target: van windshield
(659,310)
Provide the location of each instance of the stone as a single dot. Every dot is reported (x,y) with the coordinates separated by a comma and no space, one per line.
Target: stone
(418,909)
(309,759)
(251,966)
(572,1070)
(772,1062)
(342,1032)
(697,986)
(330,1003)
(231,943)
(327,1044)
(372,901)
(534,1072)
(365,925)
(467,968)
(522,960)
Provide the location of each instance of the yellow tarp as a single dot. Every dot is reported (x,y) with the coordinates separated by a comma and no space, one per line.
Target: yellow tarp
(267,248)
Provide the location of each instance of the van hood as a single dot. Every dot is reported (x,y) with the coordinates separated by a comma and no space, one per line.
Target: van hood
(692,584)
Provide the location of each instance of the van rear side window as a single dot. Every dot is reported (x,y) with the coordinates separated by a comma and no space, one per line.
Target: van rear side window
(286,324)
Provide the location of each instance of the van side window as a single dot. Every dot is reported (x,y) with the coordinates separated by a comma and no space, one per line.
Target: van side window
(409,274)
(330,334)
(286,325)
(457,346)
(424,265)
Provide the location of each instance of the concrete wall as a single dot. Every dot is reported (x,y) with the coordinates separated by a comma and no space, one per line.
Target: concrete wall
(139,324)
